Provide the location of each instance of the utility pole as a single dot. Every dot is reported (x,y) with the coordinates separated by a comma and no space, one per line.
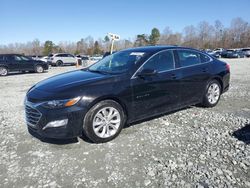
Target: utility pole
(113,37)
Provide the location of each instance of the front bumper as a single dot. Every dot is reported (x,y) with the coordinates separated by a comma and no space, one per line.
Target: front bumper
(37,117)
(46,66)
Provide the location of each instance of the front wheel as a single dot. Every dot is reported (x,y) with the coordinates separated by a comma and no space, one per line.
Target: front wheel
(3,71)
(104,121)
(39,69)
(212,94)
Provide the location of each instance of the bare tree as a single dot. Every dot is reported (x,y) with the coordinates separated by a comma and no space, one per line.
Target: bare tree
(36,47)
(205,34)
(190,36)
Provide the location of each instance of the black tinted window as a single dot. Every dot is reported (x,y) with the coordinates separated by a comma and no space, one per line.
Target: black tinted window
(188,58)
(17,58)
(204,58)
(161,62)
(61,55)
(1,58)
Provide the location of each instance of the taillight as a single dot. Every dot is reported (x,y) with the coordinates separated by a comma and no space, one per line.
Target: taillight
(228,67)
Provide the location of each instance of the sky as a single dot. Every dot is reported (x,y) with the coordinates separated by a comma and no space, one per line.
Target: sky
(71,20)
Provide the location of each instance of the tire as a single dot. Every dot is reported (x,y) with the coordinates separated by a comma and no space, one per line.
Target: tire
(59,63)
(3,71)
(39,69)
(212,94)
(97,125)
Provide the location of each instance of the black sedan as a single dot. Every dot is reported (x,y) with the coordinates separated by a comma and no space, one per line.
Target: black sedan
(17,62)
(130,85)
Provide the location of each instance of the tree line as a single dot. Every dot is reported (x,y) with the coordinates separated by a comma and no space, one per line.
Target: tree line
(202,36)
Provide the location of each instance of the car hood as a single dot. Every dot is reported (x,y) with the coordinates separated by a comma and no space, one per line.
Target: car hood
(69,81)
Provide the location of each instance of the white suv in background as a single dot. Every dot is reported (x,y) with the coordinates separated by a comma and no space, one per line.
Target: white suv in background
(61,59)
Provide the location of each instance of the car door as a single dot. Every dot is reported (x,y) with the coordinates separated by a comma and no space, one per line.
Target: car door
(27,63)
(13,65)
(16,62)
(72,58)
(158,92)
(68,58)
(195,71)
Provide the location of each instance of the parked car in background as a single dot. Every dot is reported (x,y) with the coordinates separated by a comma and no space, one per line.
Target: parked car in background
(232,53)
(213,53)
(35,57)
(85,61)
(94,59)
(17,62)
(246,52)
(125,87)
(220,50)
(61,59)
(44,59)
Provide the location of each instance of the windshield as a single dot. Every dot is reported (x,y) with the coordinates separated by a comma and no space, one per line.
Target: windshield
(119,62)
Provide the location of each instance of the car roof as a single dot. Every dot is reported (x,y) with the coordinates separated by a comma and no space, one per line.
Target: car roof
(154,49)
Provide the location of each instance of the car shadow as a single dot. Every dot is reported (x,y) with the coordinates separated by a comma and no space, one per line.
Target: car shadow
(243,134)
(86,139)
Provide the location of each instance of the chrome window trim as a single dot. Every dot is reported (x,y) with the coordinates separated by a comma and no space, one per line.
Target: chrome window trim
(211,59)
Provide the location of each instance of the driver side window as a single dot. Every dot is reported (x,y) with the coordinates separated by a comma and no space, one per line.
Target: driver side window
(17,58)
(162,61)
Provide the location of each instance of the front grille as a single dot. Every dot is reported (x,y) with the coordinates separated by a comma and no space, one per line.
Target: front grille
(32,116)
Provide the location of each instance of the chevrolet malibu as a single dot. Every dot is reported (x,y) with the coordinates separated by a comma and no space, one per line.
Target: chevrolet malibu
(130,85)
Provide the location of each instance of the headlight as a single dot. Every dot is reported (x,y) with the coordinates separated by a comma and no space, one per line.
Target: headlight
(60,103)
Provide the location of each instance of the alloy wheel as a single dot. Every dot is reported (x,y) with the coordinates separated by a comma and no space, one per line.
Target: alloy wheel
(106,122)
(213,93)
(3,71)
(39,69)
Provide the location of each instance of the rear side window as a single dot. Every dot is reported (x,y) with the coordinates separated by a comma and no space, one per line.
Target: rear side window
(188,58)
(69,55)
(61,55)
(162,61)
(204,58)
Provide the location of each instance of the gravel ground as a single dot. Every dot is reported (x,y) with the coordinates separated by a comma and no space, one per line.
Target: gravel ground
(193,147)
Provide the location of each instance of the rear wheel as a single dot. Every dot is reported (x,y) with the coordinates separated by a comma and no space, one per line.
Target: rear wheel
(212,94)
(59,63)
(39,69)
(3,71)
(104,121)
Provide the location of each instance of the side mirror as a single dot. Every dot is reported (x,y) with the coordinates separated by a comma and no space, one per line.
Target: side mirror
(147,72)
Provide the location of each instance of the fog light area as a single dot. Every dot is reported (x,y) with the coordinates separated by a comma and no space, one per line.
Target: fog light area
(57,123)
